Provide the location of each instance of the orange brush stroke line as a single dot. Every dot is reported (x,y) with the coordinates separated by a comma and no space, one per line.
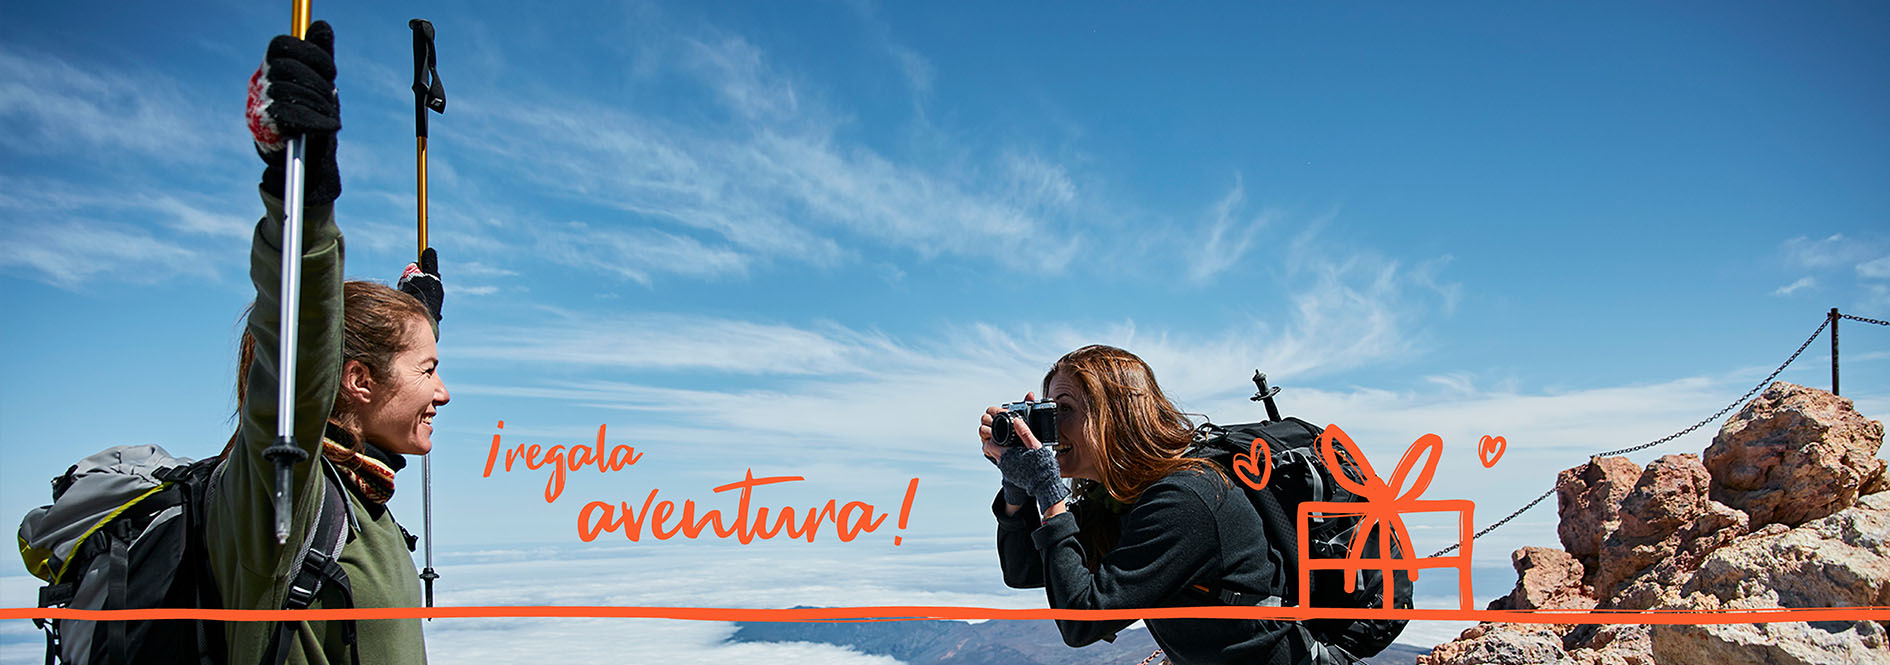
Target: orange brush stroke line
(922,612)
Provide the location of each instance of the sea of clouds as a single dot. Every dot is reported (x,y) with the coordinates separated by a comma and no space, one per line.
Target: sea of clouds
(924,571)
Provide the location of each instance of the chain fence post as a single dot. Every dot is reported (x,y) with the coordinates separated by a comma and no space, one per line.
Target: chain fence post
(1834,351)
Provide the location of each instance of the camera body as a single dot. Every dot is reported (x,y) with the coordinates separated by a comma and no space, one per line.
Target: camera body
(1040,416)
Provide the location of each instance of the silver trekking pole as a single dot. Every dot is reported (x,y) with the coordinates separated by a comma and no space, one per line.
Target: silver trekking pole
(284,453)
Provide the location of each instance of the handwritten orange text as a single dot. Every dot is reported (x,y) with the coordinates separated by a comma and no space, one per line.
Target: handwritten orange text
(849,520)
(560,459)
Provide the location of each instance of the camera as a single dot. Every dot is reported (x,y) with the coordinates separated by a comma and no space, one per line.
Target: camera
(1040,417)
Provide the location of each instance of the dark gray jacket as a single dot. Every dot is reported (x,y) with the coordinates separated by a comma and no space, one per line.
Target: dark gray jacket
(1190,528)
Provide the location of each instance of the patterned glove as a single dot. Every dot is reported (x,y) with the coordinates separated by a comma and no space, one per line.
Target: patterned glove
(422,281)
(293,94)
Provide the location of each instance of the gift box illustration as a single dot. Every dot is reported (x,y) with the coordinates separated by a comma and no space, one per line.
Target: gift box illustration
(1352,539)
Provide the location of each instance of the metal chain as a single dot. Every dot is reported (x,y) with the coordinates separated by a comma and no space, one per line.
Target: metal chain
(1735,403)
(1151,658)
(1859,318)
(1742,399)
(1498,523)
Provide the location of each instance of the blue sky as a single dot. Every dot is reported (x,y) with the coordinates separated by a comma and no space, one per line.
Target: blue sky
(816,239)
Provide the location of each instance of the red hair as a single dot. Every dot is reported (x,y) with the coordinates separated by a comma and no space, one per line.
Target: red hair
(1138,435)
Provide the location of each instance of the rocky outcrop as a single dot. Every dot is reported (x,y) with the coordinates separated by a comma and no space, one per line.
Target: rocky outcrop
(1546,579)
(1842,560)
(1588,501)
(1667,525)
(1500,643)
(1793,455)
(1784,510)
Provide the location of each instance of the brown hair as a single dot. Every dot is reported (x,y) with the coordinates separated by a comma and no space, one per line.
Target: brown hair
(375,320)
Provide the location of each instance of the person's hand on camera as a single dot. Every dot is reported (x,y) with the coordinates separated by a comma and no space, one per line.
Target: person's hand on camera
(992,451)
(1014,496)
(293,94)
(1028,468)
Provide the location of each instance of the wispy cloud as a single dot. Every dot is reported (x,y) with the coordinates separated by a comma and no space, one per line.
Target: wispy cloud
(64,234)
(1794,287)
(1457,382)
(763,173)
(1355,306)
(739,72)
(680,342)
(918,70)
(134,206)
(53,106)
(1834,251)
(1227,235)
(67,253)
(637,253)
(481,269)
(1860,263)
(1875,269)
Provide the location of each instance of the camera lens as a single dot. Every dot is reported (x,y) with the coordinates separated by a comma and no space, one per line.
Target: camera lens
(1003,433)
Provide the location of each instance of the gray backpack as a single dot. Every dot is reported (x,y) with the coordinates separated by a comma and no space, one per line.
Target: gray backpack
(125,530)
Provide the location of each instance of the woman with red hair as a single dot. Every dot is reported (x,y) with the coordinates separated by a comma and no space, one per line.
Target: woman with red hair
(1148,526)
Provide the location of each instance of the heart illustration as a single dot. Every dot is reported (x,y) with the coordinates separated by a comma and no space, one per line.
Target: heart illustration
(1246,466)
(1490,449)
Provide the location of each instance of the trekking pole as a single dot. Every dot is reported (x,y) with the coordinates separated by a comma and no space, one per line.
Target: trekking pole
(1265,394)
(427,94)
(284,453)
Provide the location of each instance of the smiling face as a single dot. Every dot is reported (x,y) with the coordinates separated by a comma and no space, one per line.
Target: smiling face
(1076,450)
(398,415)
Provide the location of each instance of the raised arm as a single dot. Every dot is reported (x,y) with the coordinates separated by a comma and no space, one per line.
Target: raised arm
(291,94)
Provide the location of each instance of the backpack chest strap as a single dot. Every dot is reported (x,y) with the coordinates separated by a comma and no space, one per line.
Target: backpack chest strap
(1231,597)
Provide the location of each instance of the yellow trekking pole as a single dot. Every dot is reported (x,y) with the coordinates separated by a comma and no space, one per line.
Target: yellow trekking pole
(427,94)
(283,452)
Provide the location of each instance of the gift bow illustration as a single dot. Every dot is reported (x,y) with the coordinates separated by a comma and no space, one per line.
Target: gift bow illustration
(1384,503)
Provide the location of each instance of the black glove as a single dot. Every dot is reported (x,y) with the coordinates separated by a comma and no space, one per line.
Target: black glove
(293,94)
(422,281)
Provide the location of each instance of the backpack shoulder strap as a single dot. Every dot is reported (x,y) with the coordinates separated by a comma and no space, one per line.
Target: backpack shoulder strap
(1282,536)
(318,567)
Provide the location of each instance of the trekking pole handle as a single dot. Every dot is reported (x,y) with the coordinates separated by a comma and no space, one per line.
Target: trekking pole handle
(428,94)
(1265,394)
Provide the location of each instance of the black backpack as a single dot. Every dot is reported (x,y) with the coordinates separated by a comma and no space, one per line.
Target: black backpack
(1301,475)
(126,530)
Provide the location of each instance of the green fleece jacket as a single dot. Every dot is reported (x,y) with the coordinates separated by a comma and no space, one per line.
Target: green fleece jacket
(252,571)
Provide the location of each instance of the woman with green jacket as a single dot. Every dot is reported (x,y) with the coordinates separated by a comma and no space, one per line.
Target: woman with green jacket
(367,390)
